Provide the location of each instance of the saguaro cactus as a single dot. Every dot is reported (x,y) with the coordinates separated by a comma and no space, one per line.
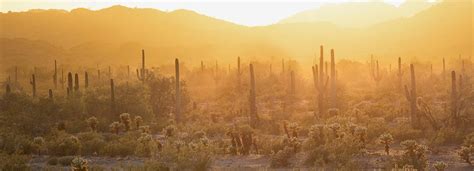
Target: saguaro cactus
(400,74)
(142,74)
(454,97)
(50,95)
(411,97)
(69,82)
(8,89)
(55,75)
(320,82)
(33,84)
(292,84)
(444,69)
(62,81)
(253,106)
(375,71)
(76,82)
(86,80)
(16,74)
(202,66)
(333,95)
(178,92)
(112,95)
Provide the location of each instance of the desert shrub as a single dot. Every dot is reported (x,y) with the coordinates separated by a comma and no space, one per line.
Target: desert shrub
(91,142)
(413,155)
(122,146)
(65,160)
(465,153)
(63,144)
(282,157)
(194,154)
(52,161)
(13,162)
(93,122)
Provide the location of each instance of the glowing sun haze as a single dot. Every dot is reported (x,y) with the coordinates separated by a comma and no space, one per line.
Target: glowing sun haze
(245,12)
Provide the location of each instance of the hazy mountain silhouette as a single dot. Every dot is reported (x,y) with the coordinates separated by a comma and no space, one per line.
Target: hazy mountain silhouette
(358,14)
(116,35)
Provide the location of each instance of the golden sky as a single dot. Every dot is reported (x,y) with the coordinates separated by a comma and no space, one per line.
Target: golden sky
(245,12)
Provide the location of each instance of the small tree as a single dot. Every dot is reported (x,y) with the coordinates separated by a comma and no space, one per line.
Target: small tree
(386,139)
(92,121)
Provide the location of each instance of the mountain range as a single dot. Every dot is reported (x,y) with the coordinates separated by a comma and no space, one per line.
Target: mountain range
(115,35)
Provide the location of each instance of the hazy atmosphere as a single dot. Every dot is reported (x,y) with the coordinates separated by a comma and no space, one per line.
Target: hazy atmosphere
(236,85)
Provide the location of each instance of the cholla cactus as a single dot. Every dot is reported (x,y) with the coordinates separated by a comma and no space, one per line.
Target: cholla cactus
(169,130)
(92,121)
(465,154)
(294,127)
(38,142)
(316,132)
(115,127)
(138,121)
(335,129)
(125,120)
(79,164)
(414,154)
(440,166)
(361,133)
(386,139)
(145,129)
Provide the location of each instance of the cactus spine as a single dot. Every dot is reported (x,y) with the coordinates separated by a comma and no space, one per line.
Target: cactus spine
(178,93)
(253,106)
(333,81)
(55,76)
(33,84)
(411,97)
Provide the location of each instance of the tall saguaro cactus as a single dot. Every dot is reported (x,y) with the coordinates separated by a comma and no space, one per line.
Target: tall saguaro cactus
(69,83)
(33,84)
(292,84)
(320,82)
(8,90)
(444,69)
(375,73)
(454,95)
(86,80)
(178,92)
(76,82)
(239,73)
(112,95)
(411,97)
(55,75)
(50,95)
(400,74)
(62,81)
(253,106)
(142,74)
(333,95)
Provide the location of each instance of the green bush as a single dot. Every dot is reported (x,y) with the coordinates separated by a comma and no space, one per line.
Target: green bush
(13,162)
(92,143)
(63,144)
